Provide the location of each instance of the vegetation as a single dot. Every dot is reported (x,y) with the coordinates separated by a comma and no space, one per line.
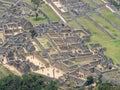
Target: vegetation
(36,3)
(40,19)
(91,3)
(27,82)
(74,25)
(98,36)
(90,80)
(45,42)
(4,72)
(108,27)
(115,3)
(49,12)
(109,15)
(33,33)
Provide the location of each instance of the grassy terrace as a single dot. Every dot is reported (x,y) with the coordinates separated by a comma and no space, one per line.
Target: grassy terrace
(102,22)
(50,13)
(74,24)
(91,3)
(96,32)
(41,19)
(98,1)
(109,15)
(71,22)
(113,46)
(29,2)
(67,16)
(44,41)
(113,49)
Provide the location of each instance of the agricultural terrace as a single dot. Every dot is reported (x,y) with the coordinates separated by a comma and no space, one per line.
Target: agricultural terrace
(98,36)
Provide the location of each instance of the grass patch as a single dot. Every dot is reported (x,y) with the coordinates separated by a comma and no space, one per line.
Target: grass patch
(67,16)
(74,25)
(113,50)
(102,22)
(109,15)
(44,41)
(41,19)
(49,12)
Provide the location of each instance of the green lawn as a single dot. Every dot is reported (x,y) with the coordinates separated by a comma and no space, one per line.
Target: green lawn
(41,19)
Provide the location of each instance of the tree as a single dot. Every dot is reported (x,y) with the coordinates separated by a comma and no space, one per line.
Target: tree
(27,82)
(99,79)
(90,80)
(105,86)
(36,14)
